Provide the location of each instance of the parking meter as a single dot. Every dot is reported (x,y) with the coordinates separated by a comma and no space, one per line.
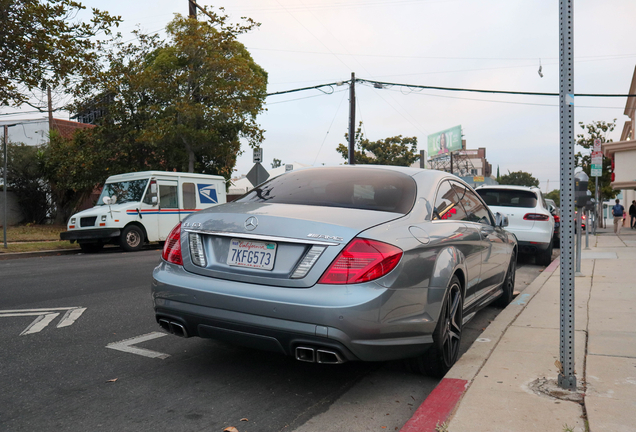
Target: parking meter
(580,189)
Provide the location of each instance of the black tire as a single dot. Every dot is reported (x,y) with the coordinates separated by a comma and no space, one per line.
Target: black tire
(91,247)
(444,352)
(131,238)
(544,258)
(508,285)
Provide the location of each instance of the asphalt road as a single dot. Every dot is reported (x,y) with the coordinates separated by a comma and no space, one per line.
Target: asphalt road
(59,370)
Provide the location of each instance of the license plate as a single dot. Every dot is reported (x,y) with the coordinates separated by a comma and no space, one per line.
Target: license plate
(252,254)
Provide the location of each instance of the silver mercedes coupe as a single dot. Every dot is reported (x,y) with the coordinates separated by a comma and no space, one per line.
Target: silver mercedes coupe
(335,264)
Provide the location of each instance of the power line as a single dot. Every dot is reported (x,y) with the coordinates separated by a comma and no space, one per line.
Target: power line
(383,84)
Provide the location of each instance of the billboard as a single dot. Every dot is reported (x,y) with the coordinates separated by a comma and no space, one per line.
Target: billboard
(444,142)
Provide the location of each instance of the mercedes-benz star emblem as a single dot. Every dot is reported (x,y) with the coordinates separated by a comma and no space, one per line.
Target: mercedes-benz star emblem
(251,223)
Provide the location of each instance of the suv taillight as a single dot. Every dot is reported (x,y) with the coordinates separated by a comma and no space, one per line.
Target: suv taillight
(536,217)
(362,260)
(557,218)
(172,247)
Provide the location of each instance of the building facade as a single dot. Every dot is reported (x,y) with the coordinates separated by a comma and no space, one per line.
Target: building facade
(623,152)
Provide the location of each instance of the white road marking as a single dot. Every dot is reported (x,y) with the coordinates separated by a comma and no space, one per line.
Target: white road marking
(125,346)
(40,322)
(44,317)
(70,316)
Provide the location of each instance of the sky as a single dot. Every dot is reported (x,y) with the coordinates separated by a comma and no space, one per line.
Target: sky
(476,44)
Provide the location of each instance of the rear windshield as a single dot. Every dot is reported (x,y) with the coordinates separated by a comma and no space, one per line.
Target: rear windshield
(368,189)
(508,198)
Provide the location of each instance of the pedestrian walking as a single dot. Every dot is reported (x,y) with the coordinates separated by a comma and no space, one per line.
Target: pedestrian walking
(617,211)
(632,215)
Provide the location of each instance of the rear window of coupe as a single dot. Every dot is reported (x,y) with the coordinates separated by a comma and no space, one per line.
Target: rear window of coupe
(367,189)
(508,197)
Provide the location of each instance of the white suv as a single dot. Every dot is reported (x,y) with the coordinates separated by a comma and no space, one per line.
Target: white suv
(528,217)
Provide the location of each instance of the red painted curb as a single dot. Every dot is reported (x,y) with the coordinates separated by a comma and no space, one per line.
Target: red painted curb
(553,265)
(437,407)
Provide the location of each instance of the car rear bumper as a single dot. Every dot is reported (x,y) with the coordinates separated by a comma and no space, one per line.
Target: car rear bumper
(527,247)
(362,322)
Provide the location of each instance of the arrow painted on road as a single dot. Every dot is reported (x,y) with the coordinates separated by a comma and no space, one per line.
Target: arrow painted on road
(127,346)
(45,317)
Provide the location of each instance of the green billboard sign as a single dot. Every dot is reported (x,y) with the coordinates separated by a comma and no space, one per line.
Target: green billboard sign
(444,142)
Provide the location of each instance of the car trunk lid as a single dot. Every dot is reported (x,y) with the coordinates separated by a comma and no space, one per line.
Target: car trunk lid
(281,237)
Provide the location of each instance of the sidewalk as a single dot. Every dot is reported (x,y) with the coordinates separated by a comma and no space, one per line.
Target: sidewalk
(507,380)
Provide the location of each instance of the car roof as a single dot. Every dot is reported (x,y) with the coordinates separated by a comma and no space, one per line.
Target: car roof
(513,187)
(421,173)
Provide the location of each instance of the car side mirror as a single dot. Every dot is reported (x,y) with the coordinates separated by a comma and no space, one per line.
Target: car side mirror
(501,220)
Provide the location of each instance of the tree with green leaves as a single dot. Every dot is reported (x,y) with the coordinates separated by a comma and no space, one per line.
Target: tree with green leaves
(75,167)
(395,150)
(276,163)
(184,103)
(593,131)
(25,179)
(41,45)
(518,178)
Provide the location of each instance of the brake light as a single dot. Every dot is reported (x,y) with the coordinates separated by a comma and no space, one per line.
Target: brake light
(172,247)
(536,217)
(557,218)
(583,216)
(362,260)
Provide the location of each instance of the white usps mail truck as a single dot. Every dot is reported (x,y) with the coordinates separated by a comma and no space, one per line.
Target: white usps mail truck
(136,208)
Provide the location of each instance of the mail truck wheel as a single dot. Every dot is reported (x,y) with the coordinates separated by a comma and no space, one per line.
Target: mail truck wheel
(131,239)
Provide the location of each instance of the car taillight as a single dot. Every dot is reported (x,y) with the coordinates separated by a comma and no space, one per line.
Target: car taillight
(172,247)
(536,217)
(583,216)
(557,218)
(362,260)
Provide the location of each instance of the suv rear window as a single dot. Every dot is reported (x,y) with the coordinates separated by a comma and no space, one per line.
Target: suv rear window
(368,189)
(508,197)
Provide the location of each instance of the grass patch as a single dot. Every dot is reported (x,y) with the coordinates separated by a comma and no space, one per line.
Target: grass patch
(37,246)
(33,233)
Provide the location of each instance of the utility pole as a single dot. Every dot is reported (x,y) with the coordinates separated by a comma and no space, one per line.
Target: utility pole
(50,104)
(352,119)
(192,9)
(4,185)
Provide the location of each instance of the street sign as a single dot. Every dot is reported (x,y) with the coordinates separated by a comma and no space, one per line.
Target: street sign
(257,174)
(597,145)
(597,161)
(258,155)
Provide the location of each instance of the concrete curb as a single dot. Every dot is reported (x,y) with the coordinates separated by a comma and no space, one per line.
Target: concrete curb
(441,404)
(55,252)
(37,254)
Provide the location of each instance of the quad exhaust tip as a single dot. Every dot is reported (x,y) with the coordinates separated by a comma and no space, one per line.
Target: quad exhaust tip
(173,328)
(312,355)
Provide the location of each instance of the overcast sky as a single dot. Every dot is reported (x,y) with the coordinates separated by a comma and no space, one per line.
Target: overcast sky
(477,44)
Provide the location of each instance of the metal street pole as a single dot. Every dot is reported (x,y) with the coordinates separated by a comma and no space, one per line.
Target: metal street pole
(352,119)
(4,185)
(566,378)
(587,229)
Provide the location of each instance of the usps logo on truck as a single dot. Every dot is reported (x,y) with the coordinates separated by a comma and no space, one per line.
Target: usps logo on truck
(207,194)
